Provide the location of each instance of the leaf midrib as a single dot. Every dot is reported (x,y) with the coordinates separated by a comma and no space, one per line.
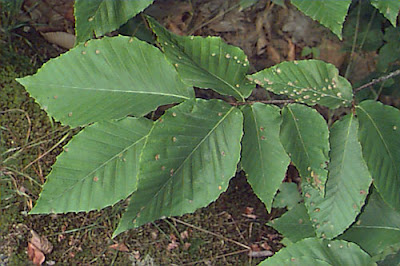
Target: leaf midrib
(97,168)
(181,49)
(182,164)
(381,137)
(106,90)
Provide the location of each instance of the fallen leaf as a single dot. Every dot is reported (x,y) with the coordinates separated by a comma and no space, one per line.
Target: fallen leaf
(41,243)
(261,44)
(273,54)
(248,210)
(63,39)
(172,237)
(120,247)
(265,246)
(255,247)
(184,234)
(292,51)
(186,246)
(136,254)
(35,255)
(154,235)
(172,246)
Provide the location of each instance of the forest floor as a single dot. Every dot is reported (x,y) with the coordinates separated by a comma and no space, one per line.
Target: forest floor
(231,230)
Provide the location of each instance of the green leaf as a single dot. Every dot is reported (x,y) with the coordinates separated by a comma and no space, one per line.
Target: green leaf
(304,135)
(106,79)
(288,196)
(390,9)
(247,3)
(295,224)
(263,157)
(188,159)
(390,260)
(377,220)
(307,81)
(97,168)
(103,16)
(363,28)
(390,51)
(380,140)
(347,185)
(206,62)
(314,250)
(330,13)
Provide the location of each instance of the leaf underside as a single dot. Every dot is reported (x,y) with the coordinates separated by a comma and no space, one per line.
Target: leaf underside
(308,81)
(97,168)
(99,80)
(206,62)
(187,162)
(263,157)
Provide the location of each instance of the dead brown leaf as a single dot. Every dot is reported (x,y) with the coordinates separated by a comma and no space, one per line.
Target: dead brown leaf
(184,235)
(120,247)
(292,51)
(186,246)
(273,54)
(172,245)
(35,255)
(41,243)
(248,212)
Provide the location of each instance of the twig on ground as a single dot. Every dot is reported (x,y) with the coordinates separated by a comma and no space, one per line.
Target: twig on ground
(211,233)
(217,257)
(47,152)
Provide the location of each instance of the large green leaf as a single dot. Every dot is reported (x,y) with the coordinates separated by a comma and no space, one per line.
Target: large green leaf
(288,196)
(106,79)
(390,9)
(207,62)
(263,157)
(188,159)
(307,81)
(314,250)
(330,13)
(103,16)
(347,185)
(380,140)
(295,224)
(304,134)
(377,228)
(97,168)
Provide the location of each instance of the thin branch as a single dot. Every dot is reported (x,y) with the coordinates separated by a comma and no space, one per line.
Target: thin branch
(264,101)
(211,233)
(378,80)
